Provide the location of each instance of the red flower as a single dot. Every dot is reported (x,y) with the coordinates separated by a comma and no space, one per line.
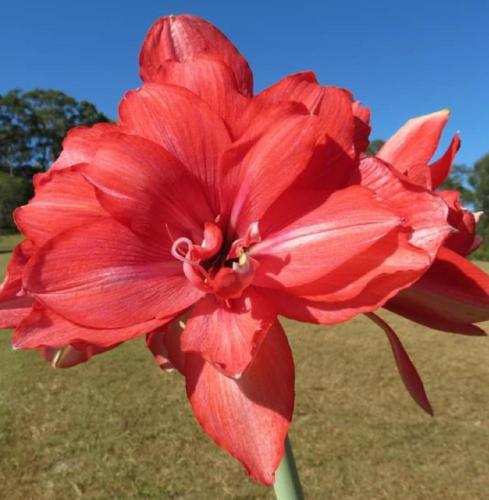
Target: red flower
(206,203)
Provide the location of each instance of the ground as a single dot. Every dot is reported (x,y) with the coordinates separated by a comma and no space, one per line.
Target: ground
(118,427)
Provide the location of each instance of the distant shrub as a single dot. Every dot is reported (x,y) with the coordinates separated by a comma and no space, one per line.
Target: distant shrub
(14,191)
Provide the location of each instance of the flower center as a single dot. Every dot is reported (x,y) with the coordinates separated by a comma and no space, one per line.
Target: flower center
(214,266)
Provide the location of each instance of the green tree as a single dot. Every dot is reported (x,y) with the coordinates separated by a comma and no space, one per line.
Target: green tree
(34,123)
(374,147)
(14,191)
(460,180)
(480,180)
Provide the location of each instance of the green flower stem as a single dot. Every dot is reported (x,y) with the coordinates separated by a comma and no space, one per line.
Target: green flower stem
(287,483)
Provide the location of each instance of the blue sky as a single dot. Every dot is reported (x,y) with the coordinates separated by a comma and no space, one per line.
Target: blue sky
(402,59)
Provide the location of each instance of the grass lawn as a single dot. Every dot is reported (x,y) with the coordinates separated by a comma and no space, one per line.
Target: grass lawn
(119,428)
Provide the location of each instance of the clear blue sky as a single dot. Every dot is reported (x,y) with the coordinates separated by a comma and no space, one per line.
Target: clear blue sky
(402,59)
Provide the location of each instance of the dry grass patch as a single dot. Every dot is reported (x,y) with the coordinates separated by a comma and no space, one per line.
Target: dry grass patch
(117,427)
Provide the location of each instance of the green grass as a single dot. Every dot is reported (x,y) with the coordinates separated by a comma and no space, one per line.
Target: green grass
(117,427)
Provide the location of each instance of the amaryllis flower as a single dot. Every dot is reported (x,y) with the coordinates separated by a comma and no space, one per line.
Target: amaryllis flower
(202,215)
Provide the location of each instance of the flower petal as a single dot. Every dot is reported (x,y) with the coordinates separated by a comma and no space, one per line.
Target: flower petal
(165,343)
(332,105)
(185,38)
(159,184)
(346,224)
(407,370)
(410,149)
(464,239)
(44,328)
(451,296)
(14,310)
(441,167)
(105,276)
(248,417)
(69,356)
(212,81)
(254,180)
(228,335)
(63,200)
(427,221)
(181,123)
(80,144)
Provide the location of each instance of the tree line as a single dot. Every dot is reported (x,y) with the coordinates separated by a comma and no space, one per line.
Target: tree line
(32,127)
(34,123)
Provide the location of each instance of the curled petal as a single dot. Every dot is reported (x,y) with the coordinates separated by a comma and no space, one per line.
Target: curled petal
(410,149)
(69,356)
(407,370)
(441,167)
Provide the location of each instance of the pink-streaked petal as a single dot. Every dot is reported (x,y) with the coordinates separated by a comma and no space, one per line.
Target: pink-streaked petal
(185,38)
(441,167)
(64,200)
(14,310)
(248,417)
(254,180)
(407,370)
(105,276)
(410,149)
(228,335)
(332,105)
(80,144)
(346,224)
(212,81)
(424,213)
(44,328)
(451,296)
(181,123)
(159,184)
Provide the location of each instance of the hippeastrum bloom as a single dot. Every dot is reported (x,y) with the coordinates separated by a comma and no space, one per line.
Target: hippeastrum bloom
(203,214)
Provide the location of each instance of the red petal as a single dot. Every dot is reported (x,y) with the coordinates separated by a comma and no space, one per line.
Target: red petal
(463,241)
(181,123)
(332,105)
(45,328)
(14,304)
(13,311)
(212,81)
(63,200)
(441,167)
(228,335)
(362,126)
(424,213)
(346,224)
(104,276)
(165,346)
(410,149)
(185,38)
(80,144)
(248,417)
(451,296)
(407,370)
(12,283)
(159,184)
(69,356)
(253,181)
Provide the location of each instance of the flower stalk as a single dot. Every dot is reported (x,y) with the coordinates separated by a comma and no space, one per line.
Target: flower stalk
(287,482)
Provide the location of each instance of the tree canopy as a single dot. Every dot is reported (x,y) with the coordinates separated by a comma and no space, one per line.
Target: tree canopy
(33,124)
